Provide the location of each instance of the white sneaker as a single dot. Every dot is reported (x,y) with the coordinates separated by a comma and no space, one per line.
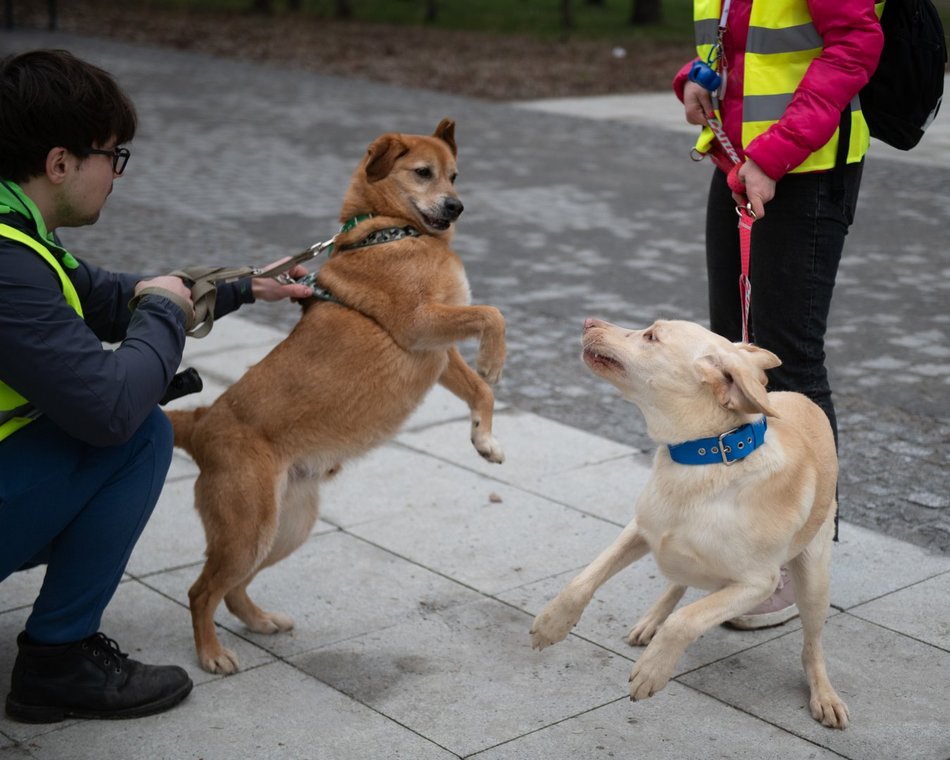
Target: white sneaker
(776,610)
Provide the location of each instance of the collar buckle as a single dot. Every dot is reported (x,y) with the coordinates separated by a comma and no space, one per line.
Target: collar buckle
(725,449)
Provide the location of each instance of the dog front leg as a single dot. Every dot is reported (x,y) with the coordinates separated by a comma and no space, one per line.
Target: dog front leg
(642,633)
(561,614)
(654,668)
(461,380)
(435,326)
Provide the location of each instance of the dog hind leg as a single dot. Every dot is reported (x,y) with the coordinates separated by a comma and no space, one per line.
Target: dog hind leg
(299,509)
(239,510)
(810,573)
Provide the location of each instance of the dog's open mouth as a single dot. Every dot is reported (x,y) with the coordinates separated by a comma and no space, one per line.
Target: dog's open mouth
(436,223)
(595,359)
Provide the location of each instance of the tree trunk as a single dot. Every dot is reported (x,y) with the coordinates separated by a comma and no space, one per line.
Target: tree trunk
(261,6)
(646,12)
(567,15)
(432,11)
(343,9)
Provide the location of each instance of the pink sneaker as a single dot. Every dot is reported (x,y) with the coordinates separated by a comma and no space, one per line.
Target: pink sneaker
(776,610)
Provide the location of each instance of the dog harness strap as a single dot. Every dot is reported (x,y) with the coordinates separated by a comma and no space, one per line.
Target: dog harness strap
(727,448)
(385,235)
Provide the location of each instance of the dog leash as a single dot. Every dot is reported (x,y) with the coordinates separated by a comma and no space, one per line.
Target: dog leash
(726,158)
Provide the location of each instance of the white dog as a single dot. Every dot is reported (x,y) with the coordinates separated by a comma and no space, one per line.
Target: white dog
(743,482)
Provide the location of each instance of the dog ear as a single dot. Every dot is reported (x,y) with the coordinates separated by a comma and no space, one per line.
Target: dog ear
(446,133)
(737,383)
(760,357)
(381,156)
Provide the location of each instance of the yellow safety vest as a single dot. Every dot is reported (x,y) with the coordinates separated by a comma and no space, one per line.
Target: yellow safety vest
(781,44)
(9,398)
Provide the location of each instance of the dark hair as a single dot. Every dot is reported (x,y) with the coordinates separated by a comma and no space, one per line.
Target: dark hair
(49,99)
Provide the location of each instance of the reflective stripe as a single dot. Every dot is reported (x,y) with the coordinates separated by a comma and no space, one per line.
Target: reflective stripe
(765,107)
(771,107)
(10,399)
(707,31)
(787,40)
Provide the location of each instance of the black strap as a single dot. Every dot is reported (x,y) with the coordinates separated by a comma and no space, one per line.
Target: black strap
(841,159)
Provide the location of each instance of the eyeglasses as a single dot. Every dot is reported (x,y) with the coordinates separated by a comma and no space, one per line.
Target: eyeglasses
(120,157)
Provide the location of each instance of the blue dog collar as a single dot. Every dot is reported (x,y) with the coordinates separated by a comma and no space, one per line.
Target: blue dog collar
(727,448)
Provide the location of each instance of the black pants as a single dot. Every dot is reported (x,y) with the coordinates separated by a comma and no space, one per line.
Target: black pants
(796,248)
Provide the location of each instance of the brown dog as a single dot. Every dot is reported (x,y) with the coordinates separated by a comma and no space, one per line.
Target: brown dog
(726,528)
(343,381)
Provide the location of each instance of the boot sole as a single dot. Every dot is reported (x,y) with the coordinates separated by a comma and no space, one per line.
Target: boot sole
(55,713)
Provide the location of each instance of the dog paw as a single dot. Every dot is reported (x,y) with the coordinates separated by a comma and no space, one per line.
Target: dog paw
(552,624)
(490,370)
(270,622)
(830,710)
(649,675)
(223,661)
(489,448)
(642,633)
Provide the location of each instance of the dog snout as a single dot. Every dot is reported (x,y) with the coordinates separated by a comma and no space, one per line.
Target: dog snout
(452,208)
(591,322)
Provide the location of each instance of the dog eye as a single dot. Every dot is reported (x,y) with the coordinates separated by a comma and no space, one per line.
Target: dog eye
(425,172)
(452,178)
(650,336)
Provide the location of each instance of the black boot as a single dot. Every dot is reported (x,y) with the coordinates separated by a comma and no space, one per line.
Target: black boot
(91,678)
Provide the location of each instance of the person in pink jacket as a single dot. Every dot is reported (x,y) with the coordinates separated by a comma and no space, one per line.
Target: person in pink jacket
(781,78)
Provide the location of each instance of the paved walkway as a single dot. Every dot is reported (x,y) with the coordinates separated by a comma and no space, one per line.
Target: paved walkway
(414,596)
(413,600)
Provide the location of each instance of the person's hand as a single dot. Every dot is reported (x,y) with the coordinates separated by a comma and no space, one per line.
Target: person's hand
(172,284)
(697,102)
(269,289)
(759,187)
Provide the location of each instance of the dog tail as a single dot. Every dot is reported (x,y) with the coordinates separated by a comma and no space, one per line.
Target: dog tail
(183,421)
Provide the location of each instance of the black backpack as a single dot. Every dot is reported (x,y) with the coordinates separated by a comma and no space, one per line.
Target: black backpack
(904,93)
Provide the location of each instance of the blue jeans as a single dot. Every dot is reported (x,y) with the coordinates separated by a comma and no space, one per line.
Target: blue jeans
(78,509)
(796,248)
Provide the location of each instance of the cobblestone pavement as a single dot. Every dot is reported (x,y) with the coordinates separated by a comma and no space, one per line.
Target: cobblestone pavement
(238,163)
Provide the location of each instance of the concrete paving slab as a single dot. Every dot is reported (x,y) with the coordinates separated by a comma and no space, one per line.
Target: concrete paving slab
(866,565)
(457,679)
(490,546)
(20,589)
(607,490)
(269,712)
(895,688)
(919,611)
(174,536)
(677,724)
(537,447)
(385,484)
(335,587)
(662,110)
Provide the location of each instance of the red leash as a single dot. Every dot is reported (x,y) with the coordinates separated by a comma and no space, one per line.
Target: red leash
(725,157)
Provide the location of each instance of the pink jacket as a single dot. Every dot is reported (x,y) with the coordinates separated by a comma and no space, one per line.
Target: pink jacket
(852,46)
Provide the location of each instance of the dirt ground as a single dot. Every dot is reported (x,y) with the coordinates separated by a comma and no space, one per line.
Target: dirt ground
(465,63)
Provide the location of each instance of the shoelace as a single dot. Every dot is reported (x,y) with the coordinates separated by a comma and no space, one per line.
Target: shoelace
(102,644)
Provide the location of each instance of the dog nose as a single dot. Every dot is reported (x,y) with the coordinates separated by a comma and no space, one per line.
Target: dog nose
(453,208)
(591,322)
